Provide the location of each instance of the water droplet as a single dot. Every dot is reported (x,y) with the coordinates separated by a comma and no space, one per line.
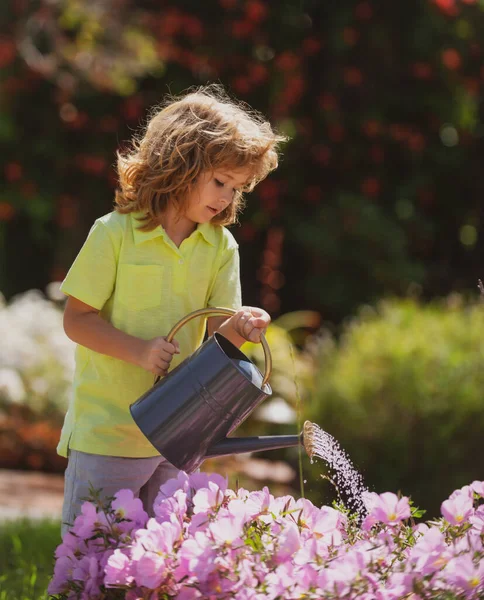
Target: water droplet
(341,470)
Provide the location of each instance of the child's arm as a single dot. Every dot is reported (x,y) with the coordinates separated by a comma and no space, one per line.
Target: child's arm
(84,325)
(246,325)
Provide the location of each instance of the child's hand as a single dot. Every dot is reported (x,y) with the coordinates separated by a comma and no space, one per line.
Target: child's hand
(250,323)
(158,354)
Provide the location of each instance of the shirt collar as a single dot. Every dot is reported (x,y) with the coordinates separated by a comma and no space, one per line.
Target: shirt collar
(143,236)
(207,230)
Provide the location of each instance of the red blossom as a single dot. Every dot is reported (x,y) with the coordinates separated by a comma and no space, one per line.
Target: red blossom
(79,122)
(13,171)
(268,190)
(192,26)
(7,211)
(350,36)
(132,108)
(364,11)
(311,46)
(353,76)
(472,86)
(8,51)
(422,70)
(241,84)
(228,4)
(171,22)
(377,154)
(247,232)
(28,189)
(256,11)
(336,132)
(288,61)
(322,154)
(94,165)
(448,7)
(370,187)
(258,73)
(242,28)
(451,59)
(67,213)
(416,142)
(371,127)
(327,102)
(313,194)
(108,124)
(58,273)
(294,89)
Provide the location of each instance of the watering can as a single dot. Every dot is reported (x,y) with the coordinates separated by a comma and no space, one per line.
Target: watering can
(188,414)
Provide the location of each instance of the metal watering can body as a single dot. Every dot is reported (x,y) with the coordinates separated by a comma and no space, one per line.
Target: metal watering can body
(188,414)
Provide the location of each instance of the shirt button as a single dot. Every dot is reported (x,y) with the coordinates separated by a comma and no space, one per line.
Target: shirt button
(180,262)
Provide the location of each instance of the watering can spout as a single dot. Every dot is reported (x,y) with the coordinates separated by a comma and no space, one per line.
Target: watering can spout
(242,445)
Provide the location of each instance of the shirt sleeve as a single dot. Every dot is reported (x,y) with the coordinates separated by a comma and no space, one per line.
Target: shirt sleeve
(226,291)
(92,275)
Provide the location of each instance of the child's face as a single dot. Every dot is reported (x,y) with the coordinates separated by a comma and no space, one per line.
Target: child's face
(214,192)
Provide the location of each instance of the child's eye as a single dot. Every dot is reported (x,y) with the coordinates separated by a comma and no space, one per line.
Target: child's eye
(219,183)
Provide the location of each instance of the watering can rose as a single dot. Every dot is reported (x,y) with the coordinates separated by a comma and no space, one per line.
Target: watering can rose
(208,541)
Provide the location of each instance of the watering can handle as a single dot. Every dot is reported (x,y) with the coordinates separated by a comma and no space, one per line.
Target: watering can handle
(222,312)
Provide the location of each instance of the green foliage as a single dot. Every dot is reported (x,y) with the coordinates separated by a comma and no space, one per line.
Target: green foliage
(27,558)
(402,391)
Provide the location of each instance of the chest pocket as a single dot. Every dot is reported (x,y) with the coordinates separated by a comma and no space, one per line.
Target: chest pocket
(140,286)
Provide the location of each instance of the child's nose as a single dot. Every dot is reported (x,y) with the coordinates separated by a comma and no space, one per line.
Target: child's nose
(226,197)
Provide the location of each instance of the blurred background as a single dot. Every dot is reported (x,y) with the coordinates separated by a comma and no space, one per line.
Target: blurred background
(365,245)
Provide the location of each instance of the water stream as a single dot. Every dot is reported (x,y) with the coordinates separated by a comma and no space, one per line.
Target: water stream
(348,481)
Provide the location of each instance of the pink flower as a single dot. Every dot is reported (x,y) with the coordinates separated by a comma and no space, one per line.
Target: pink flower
(324,522)
(151,553)
(458,508)
(258,503)
(196,555)
(188,593)
(88,521)
(465,575)
(181,482)
(288,543)
(126,506)
(431,552)
(201,480)
(166,509)
(118,570)
(385,508)
(478,487)
(63,569)
(208,498)
(477,519)
(87,570)
(227,530)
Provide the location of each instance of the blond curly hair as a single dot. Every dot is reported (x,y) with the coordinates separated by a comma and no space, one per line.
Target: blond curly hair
(186,136)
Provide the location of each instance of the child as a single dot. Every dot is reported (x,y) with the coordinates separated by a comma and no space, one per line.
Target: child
(162,253)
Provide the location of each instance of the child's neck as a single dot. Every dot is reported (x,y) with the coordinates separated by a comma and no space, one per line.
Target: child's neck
(178,228)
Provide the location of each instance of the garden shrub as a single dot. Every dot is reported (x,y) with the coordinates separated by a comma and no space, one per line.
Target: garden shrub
(36,369)
(402,391)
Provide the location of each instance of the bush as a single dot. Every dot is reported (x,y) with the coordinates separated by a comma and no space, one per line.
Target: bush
(36,369)
(402,391)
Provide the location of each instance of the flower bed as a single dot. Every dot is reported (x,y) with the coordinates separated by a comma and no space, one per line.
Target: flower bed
(207,541)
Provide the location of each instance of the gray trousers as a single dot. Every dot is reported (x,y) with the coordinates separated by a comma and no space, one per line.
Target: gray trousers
(110,474)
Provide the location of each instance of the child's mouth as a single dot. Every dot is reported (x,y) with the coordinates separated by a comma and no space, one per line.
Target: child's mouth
(214,211)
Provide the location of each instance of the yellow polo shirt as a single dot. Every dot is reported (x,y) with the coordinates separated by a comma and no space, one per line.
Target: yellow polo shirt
(142,284)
